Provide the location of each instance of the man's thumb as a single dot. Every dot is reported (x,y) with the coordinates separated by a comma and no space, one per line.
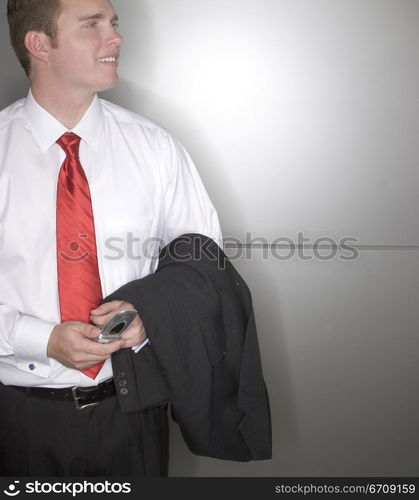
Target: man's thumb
(91,331)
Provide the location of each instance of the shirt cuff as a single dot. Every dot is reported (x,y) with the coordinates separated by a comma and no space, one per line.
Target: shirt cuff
(30,346)
(137,348)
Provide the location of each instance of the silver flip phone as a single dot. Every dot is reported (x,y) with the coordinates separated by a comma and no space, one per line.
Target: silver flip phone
(115,326)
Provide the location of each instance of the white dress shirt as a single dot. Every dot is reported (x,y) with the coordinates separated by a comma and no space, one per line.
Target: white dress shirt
(145,192)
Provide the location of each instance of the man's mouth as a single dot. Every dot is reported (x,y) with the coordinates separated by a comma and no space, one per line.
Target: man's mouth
(108,59)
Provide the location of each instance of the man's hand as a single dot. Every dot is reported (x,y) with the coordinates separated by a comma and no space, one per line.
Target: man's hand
(71,344)
(134,335)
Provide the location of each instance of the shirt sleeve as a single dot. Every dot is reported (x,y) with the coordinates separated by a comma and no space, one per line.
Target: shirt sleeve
(26,338)
(188,208)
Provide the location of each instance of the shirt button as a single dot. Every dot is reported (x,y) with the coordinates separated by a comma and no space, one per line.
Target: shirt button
(31,367)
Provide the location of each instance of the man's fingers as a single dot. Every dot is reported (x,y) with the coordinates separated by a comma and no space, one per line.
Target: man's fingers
(104,313)
(134,335)
(90,331)
(90,353)
(113,346)
(107,308)
(132,331)
(93,348)
(101,321)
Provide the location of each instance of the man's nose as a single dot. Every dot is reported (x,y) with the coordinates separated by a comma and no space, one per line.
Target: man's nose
(116,39)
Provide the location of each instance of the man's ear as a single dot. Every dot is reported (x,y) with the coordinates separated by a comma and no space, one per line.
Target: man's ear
(38,45)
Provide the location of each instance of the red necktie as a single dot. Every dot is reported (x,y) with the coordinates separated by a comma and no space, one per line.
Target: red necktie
(78,273)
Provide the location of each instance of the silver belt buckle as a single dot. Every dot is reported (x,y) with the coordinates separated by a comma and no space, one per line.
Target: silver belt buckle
(76,400)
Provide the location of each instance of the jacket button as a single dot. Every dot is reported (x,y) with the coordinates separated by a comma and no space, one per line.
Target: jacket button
(124,391)
(120,375)
(122,383)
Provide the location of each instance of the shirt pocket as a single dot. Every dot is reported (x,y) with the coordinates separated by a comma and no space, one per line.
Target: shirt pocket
(130,239)
(128,250)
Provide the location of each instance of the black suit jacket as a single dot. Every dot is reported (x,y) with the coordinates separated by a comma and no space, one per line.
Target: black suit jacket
(204,355)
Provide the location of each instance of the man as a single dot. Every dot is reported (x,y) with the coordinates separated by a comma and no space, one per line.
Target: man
(89,193)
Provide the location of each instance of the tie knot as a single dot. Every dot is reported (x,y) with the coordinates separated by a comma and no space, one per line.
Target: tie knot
(70,143)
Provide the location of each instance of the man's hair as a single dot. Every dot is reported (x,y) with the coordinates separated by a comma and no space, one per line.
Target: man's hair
(28,15)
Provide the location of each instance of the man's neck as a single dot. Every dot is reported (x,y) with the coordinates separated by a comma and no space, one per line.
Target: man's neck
(68,110)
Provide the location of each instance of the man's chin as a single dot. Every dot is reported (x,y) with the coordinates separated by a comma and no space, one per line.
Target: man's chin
(108,86)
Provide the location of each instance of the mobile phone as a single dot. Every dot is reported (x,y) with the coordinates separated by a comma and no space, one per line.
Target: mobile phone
(115,326)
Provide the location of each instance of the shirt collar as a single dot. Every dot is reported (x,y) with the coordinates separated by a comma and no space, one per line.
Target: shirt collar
(46,129)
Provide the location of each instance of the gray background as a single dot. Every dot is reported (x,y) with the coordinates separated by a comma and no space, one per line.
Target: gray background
(302,117)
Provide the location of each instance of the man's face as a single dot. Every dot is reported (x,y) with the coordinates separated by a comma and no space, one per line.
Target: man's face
(87,53)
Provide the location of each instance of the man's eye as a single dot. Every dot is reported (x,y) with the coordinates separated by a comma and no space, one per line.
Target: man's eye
(92,24)
(115,25)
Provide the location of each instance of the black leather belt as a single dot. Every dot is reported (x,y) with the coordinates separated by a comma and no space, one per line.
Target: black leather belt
(82,397)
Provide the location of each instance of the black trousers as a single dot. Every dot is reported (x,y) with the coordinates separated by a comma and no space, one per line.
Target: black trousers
(39,437)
